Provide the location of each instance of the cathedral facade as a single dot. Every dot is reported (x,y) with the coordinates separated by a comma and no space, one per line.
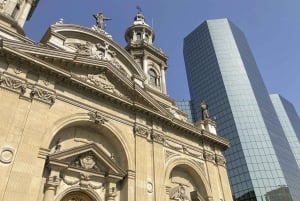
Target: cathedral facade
(83,119)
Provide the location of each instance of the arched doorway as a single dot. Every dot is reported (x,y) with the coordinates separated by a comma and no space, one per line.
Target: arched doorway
(77,196)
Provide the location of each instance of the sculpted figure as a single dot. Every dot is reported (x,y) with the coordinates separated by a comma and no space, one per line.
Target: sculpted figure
(100,20)
(204,110)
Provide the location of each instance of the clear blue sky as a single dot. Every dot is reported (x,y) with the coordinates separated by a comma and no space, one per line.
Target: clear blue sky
(272,28)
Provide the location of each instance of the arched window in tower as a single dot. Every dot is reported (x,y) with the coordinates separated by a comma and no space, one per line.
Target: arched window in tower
(16,10)
(153,78)
(146,37)
(139,36)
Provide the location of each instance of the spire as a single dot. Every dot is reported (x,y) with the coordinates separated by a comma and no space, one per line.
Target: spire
(139,18)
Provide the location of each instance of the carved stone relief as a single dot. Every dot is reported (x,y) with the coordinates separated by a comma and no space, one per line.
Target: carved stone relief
(43,95)
(157,137)
(20,86)
(101,81)
(86,161)
(141,131)
(220,160)
(209,156)
(97,117)
(13,84)
(179,193)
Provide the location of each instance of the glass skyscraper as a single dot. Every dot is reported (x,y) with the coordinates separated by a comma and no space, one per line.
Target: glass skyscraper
(222,71)
(290,122)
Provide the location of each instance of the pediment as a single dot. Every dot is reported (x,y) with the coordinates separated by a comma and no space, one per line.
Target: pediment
(87,158)
(91,43)
(95,75)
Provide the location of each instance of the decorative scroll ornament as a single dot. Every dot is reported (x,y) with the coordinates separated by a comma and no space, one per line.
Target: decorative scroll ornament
(220,160)
(97,117)
(158,138)
(13,84)
(141,131)
(43,95)
(209,156)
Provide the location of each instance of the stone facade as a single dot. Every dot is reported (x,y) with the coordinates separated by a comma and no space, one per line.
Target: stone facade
(79,121)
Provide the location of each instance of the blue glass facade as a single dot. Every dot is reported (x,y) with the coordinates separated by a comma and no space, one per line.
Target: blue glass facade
(186,107)
(222,71)
(290,122)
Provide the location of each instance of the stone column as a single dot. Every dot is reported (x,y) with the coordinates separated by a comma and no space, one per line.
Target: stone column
(51,185)
(145,64)
(142,154)
(10,6)
(158,164)
(24,13)
(212,172)
(111,192)
(221,162)
(163,79)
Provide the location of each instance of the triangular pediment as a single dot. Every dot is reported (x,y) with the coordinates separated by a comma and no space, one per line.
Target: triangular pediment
(98,76)
(89,158)
(91,43)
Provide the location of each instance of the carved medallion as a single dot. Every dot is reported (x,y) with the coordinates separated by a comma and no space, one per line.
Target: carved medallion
(7,155)
(86,161)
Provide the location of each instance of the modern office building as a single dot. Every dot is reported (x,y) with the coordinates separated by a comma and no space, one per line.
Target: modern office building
(186,106)
(222,71)
(290,122)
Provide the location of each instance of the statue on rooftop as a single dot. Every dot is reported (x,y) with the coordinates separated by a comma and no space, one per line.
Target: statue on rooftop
(100,20)
(204,110)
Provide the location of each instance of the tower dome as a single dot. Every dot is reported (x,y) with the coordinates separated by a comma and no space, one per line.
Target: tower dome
(140,37)
(139,31)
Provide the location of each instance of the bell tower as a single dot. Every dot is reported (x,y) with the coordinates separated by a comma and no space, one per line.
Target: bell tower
(140,37)
(14,13)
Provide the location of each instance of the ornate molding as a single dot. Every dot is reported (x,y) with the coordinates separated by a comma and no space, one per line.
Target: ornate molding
(141,131)
(13,84)
(100,81)
(69,181)
(43,95)
(157,137)
(220,160)
(169,155)
(209,156)
(97,118)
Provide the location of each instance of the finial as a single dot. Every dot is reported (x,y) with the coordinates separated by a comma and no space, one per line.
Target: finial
(100,20)
(139,9)
(60,21)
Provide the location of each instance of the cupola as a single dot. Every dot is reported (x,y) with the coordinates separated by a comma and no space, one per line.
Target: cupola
(140,37)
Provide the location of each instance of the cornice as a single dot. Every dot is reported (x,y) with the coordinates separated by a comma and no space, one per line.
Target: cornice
(163,115)
(148,48)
